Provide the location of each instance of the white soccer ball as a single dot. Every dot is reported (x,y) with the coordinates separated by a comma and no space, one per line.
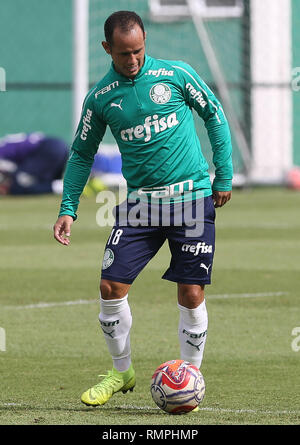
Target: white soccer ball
(177,387)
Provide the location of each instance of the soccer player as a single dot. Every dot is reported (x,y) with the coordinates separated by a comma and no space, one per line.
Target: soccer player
(32,164)
(147,103)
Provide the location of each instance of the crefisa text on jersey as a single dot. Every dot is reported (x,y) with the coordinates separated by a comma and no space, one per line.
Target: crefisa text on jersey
(160,72)
(150,434)
(86,121)
(144,130)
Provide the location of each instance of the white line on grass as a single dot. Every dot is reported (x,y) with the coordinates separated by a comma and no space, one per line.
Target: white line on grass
(255,225)
(43,305)
(54,304)
(249,295)
(220,410)
(250,411)
(11,404)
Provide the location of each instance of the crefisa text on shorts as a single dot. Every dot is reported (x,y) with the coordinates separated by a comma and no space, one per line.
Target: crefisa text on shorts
(174,205)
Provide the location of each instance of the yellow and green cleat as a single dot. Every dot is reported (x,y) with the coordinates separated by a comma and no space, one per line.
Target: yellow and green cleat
(93,187)
(113,382)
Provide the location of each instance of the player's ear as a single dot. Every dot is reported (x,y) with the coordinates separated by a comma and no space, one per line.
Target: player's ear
(106,47)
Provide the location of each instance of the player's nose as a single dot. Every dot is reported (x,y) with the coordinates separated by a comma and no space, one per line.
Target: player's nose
(132,60)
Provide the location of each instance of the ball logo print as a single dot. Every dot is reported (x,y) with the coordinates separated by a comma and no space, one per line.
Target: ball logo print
(160,93)
(177,387)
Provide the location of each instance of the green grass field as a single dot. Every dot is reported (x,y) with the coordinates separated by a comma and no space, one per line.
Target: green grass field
(54,348)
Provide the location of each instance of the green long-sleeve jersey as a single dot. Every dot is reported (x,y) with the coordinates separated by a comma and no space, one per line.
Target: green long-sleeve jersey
(152,122)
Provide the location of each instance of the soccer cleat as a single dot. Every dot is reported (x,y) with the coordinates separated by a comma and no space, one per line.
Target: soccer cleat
(93,187)
(113,382)
(195,410)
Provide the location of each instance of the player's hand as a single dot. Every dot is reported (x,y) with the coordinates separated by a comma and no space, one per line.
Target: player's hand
(220,198)
(62,229)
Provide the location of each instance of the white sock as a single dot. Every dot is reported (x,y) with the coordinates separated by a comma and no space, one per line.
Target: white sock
(192,332)
(115,320)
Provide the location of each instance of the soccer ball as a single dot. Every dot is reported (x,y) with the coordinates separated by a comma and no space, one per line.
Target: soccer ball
(177,387)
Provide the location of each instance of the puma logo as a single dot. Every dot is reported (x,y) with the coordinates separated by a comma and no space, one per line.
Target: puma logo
(195,346)
(119,105)
(110,334)
(205,267)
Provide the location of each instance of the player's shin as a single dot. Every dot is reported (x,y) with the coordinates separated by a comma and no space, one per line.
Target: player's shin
(192,333)
(116,320)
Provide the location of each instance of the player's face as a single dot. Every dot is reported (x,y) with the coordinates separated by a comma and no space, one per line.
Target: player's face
(127,51)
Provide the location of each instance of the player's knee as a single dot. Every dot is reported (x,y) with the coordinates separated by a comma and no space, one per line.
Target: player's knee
(190,296)
(111,289)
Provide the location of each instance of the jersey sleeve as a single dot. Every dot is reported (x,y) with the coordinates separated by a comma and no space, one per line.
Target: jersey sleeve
(89,134)
(199,97)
